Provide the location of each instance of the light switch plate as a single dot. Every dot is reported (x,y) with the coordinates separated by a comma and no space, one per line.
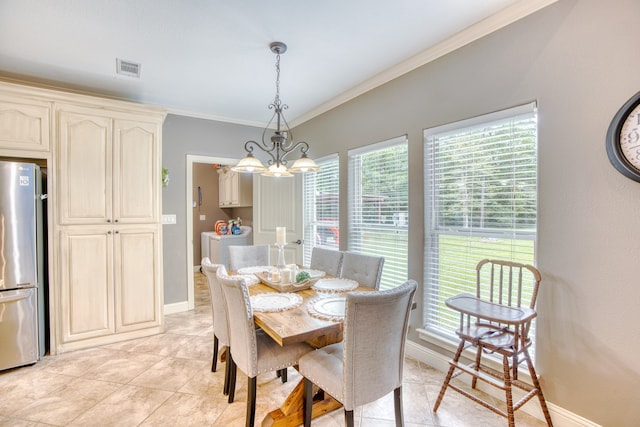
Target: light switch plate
(168,219)
(203,217)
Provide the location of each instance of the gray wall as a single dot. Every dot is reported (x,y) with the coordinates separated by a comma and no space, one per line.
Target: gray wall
(580,61)
(181,136)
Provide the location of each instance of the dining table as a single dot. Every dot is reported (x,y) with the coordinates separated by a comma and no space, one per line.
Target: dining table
(301,323)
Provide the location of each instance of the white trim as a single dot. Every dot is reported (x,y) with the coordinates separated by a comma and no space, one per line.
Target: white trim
(487,26)
(560,416)
(176,307)
(190,160)
(398,140)
(507,113)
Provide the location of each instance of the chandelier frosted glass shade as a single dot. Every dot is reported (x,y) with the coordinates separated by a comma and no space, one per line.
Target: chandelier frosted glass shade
(281,142)
(250,164)
(304,164)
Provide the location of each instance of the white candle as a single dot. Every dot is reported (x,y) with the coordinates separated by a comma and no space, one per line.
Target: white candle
(281,235)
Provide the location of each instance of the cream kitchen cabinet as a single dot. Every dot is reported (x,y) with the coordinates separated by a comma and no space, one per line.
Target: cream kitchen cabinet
(108,167)
(109,277)
(234,189)
(24,123)
(104,251)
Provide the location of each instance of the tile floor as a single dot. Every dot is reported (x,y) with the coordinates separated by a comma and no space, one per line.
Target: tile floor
(166,380)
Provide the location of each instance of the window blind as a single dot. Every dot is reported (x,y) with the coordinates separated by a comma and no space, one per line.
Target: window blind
(321,206)
(379,206)
(480,202)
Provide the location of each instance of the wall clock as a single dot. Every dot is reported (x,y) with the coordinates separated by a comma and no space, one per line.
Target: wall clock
(623,139)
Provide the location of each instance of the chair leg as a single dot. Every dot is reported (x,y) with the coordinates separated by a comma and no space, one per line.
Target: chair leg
(308,402)
(397,403)
(508,392)
(251,401)
(474,380)
(227,374)
(452,368)
(214,362)
(232,377)
(348,418)
(536,384)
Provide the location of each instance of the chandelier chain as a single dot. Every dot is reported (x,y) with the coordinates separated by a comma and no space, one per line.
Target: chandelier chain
(277,99)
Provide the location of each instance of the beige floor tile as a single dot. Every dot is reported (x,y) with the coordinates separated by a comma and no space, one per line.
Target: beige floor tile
(170,373)
(55,408)
(25,386)
(187,410)
(129,406)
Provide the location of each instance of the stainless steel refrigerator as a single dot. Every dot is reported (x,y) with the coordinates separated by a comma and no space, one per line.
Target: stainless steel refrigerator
(21,264)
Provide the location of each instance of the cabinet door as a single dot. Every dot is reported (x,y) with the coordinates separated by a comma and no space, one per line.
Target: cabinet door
(24,124)
(84,168)
(138,288)
(222,189)
(86,283)
(136,172)
(234,188)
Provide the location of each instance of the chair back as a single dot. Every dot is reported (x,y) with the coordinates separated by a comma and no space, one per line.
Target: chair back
(327,260)
(218,305)
(374,349)
(507,283)
(242,330)
(364,269)
(248,256)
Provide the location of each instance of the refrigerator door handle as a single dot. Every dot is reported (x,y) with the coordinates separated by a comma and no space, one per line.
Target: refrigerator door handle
(11,296)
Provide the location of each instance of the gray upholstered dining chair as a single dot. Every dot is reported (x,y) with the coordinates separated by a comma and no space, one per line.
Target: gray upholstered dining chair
(364,269)
(363,367)
(252,350)
(327,260)
(248,256)
(219,309)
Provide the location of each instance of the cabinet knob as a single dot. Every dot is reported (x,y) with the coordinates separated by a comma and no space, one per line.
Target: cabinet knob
(117,232)
(109,232)
(298,242)
(116,220)
(108,220)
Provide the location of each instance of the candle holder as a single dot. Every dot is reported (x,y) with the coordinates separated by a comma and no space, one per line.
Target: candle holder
(280,264)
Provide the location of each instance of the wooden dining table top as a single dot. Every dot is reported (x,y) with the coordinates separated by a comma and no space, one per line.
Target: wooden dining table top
(296,324)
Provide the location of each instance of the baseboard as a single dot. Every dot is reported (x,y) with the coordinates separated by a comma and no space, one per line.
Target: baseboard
(176,307)
(560,416)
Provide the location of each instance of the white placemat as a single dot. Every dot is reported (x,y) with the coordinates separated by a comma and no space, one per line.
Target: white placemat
(335,285)
(331,308)
(272,301)
(251,279)
(254,269)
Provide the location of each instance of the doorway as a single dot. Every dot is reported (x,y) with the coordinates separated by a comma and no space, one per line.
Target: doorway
(191,160)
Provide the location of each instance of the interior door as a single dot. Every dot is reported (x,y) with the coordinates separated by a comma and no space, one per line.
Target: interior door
(277,202)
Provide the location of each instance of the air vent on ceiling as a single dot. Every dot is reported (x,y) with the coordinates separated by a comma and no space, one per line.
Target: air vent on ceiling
(128,68)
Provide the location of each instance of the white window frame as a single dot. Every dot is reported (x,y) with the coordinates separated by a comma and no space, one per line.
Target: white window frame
(310,219)
(432,332)
(395,249)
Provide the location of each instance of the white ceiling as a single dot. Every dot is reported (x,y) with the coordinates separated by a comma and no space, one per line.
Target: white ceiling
(211,58)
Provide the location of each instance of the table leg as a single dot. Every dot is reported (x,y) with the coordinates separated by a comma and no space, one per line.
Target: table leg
(290,412)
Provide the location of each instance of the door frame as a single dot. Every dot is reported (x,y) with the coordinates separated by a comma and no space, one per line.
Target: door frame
(190,160)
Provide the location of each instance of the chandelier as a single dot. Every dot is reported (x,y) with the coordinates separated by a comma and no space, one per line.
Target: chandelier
(281,143)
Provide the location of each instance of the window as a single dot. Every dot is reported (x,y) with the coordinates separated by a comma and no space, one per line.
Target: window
(480,202)
(379,206)
(321,207)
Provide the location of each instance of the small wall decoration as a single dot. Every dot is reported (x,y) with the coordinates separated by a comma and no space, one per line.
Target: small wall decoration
(165,177)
